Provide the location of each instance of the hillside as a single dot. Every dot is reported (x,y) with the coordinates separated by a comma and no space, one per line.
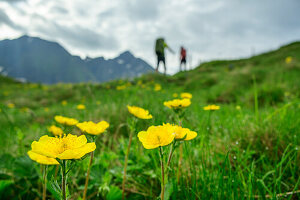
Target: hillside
(37,60)
(248,148)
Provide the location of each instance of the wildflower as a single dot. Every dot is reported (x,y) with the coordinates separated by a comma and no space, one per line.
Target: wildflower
(186,95)
(64,148)
(64,102)
(178,103)
(80,107)
(55,130)
(93,128)
(46,109)
(44,160)
(139,112)
(175,95)
(121,87)
(184,133)
(238,107)
(157,87)
(65,120)
(288,60)
(10,105)
(157,136)
(211,107)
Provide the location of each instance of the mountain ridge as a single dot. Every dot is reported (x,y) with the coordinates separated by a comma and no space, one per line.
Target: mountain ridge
(39,60)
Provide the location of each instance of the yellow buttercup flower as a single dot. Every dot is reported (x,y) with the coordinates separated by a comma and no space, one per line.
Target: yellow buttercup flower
(44,160)
(288,60)
(10,105)
(121,87)
(211,107)
(64,102)
(80,107)
(175,95)
(64,148)
(139,112)
(55,130)
(186,95)
(93,128)
(178,103)
(156,136)
(185,133)
(238,107)
(157,87)
(65,120)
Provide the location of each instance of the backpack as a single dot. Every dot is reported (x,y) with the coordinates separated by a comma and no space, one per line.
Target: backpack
(159,45)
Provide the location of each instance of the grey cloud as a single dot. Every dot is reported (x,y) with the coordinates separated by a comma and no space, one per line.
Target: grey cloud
(79,37)
(4,19)
(59,10)
(142,9)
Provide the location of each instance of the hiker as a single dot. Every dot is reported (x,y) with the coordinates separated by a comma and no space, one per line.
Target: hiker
(160,46)
(182,58)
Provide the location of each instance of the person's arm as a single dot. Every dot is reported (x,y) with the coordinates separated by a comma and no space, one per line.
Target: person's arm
(169,48)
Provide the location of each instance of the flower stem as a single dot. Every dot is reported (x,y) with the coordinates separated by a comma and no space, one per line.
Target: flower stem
(45,182)
(162,174)
(87,176)
(63,180)
(179,162)
(125,166)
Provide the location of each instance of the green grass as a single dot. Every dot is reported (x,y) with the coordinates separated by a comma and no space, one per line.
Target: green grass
(251,153)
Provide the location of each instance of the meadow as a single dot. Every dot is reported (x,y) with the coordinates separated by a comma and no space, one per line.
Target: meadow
(246,149)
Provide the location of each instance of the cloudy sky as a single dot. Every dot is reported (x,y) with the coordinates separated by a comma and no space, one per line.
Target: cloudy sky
(210,29)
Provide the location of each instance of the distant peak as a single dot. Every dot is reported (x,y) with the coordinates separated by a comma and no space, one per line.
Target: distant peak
(126,54)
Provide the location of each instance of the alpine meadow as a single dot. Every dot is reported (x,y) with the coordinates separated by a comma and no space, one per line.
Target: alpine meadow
(224,130)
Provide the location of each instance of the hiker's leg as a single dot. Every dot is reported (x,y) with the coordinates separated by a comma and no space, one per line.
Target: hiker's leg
(164,61)
(157,64)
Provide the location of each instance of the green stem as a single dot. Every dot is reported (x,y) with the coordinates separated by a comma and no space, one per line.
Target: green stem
(64,177)
(45,181)
(87,176)
(125,165)
(162,174)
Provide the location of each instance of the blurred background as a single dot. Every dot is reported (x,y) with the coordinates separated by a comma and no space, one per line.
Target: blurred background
(209,30)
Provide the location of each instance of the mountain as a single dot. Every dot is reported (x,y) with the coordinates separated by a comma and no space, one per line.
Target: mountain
(38,60)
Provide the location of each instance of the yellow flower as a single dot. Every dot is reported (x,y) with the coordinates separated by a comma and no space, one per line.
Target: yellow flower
(64,102)
(44,160)
(185,133)
(55,130)
(121,87)
(65,120)
(156,136)
(10,105)
(93,128)
(64,148)
(80,107)
(211,107)
(238,107)
(46,109)
(288,60)
(186,95)
(178,103)
(139,112)
(157,87)
(175,95)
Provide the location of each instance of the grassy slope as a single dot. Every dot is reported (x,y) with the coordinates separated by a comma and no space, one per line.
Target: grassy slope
(238,154)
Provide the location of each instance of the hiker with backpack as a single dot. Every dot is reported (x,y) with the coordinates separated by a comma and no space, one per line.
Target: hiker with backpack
(182,58)
(160,46)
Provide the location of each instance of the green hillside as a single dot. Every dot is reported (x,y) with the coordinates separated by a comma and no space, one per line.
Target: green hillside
(248,149)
